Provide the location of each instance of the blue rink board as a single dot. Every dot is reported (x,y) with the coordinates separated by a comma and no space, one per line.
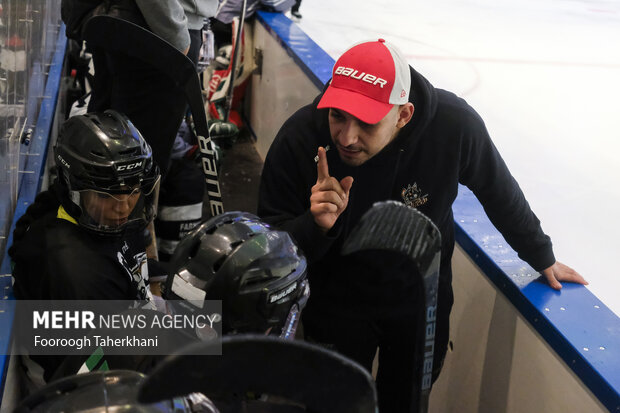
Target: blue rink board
(574,322)
(30,185)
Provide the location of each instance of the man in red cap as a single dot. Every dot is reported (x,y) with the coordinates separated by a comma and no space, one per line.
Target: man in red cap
(381,131)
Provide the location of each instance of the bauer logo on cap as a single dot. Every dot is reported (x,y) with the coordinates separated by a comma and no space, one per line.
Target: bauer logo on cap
(368,80)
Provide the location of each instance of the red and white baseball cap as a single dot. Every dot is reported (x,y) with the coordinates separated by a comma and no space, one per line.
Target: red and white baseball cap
(368,80)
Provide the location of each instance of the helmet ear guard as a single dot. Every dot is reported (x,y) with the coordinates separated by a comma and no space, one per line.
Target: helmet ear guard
(102,158)
(257,272)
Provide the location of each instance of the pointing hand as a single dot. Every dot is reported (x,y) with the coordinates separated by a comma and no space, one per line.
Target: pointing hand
(329,196)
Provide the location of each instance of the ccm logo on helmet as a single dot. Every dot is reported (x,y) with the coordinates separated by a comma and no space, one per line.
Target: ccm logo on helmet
(62,161)
(129,166)
(364,77)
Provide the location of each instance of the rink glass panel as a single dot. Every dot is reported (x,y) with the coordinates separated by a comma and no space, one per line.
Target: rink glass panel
(28,33)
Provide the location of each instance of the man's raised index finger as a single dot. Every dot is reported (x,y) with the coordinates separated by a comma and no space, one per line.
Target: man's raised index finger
(321,166)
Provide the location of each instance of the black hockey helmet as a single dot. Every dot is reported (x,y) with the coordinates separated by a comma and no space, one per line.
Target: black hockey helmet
(257,272)
(108,169)
(106,391)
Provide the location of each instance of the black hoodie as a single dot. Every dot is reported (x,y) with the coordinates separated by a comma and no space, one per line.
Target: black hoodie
(445,143)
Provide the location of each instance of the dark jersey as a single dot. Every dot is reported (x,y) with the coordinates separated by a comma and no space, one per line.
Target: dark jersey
(55,259)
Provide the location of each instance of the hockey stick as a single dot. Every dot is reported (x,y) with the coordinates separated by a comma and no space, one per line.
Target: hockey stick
(303,373)
(235,62)
(120,36)
(392,226)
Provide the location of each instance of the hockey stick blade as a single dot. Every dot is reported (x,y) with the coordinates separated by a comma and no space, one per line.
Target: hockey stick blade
(393,226)
(303,373)
(120,36)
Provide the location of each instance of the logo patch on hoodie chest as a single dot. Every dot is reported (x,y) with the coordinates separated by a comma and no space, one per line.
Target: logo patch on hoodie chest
(412,196)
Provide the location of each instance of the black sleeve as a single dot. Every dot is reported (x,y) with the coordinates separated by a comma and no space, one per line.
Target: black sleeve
(284,194)
(484,171)
(44,203)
